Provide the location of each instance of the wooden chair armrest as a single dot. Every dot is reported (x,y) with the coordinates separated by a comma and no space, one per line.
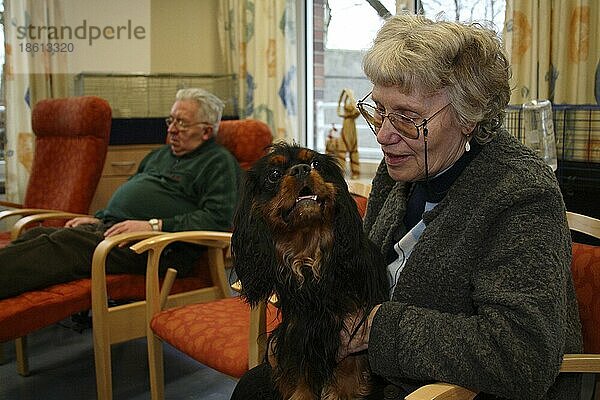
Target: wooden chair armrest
(441,391)
(216,242)
(99,291)
(207,238)
(589,363)
(585,363)
(10,204)
(23,212)
(37,217)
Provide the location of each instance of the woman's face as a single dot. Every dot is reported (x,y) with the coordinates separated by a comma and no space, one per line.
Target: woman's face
(404,157)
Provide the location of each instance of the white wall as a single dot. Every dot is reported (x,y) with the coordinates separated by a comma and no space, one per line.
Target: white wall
(184,37)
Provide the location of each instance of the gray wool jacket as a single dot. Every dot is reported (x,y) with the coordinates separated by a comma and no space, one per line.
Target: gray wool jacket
(486,299)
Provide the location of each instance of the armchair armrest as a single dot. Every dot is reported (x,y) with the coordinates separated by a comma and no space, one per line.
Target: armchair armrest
(37,217)
(586,363)
(99,291)
(441,391)
(10,204)
(589,363)
(18,211)
(216,243)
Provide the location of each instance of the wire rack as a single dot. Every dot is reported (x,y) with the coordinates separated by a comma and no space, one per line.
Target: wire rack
(576,129)
(577,134)
(152,95)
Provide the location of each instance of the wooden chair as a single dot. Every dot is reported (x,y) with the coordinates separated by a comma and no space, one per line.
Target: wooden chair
(585,267)
(123,322)
(206,331)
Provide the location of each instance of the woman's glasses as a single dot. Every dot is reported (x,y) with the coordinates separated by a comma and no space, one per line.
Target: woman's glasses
(404,125)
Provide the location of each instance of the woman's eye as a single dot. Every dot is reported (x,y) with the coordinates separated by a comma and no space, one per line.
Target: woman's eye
(274,176)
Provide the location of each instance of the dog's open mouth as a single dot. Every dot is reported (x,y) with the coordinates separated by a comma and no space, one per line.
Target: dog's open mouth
(307,205)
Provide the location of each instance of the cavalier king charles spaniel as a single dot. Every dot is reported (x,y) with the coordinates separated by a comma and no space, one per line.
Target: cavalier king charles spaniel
(298,235)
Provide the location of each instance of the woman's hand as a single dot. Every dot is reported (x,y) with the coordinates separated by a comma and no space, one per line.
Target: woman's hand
(355,336)
(72,223)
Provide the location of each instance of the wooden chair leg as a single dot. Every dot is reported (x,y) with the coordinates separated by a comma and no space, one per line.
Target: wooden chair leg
(102,358)
(22,356)
(258,338)
(156,368)
(155,352)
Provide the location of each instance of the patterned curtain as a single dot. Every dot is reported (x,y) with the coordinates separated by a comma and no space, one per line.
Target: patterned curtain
(29,77)
(258,39)
(554,47)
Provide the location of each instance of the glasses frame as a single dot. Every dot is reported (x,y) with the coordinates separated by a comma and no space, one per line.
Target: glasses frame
(182,126)
(401,118)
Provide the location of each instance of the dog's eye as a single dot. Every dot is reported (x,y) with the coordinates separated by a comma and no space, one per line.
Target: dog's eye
(315,164)
(274,176)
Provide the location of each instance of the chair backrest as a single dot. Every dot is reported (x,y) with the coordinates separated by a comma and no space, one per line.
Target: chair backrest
(246,139)
(585,267)
(70,148)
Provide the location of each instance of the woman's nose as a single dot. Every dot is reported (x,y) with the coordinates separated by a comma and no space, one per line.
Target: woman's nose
(387,134)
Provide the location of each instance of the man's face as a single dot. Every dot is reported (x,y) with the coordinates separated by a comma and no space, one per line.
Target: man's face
(187,131)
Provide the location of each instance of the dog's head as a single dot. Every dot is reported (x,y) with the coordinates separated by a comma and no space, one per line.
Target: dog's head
(294,214)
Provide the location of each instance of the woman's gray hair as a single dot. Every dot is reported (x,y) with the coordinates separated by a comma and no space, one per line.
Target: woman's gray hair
(210,107)
(467,60)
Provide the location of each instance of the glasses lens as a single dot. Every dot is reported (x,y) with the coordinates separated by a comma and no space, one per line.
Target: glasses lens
(178,123)
(370,114)
(404,125)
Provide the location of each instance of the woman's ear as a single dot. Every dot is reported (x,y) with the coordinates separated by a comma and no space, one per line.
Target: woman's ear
(468,128)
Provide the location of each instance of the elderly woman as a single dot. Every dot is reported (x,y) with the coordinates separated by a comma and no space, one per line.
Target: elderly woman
(472,224)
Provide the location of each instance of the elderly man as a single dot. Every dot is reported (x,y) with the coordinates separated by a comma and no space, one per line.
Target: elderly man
(189,184)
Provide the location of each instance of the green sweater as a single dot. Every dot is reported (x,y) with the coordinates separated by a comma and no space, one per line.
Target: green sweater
(197,191)
(486,299)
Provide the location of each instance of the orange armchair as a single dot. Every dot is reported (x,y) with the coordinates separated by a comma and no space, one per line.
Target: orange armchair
(71,140)
(585,267)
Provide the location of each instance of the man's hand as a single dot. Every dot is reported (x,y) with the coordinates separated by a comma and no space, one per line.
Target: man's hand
(72,223)
(128,226)
(355,336)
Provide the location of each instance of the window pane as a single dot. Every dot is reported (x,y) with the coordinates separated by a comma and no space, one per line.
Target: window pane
(466,10)
(349,29)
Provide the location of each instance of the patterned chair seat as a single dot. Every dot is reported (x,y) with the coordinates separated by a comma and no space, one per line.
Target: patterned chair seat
(208,333)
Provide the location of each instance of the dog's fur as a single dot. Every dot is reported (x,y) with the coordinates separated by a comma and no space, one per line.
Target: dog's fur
(298,234)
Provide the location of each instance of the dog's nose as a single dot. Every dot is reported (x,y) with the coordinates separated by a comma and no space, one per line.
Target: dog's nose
(300,171)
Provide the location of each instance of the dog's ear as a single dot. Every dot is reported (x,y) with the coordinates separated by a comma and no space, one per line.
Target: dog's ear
(253,249)
(347,225)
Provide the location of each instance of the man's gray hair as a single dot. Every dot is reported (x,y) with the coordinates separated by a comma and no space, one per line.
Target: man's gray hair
(210,107)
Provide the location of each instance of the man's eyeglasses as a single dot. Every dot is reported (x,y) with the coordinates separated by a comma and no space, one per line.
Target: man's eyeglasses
(404,125)
(180,125)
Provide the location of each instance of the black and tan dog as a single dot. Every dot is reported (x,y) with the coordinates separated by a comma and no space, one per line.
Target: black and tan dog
(298,234)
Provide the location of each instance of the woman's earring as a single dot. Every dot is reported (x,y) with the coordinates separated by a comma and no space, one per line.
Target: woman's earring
(467,145)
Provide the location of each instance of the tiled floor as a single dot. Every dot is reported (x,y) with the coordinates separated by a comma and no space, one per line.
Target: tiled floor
(62,367)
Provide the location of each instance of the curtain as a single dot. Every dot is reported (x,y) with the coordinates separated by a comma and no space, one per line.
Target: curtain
(30,76)
(258,40)
(554,49)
